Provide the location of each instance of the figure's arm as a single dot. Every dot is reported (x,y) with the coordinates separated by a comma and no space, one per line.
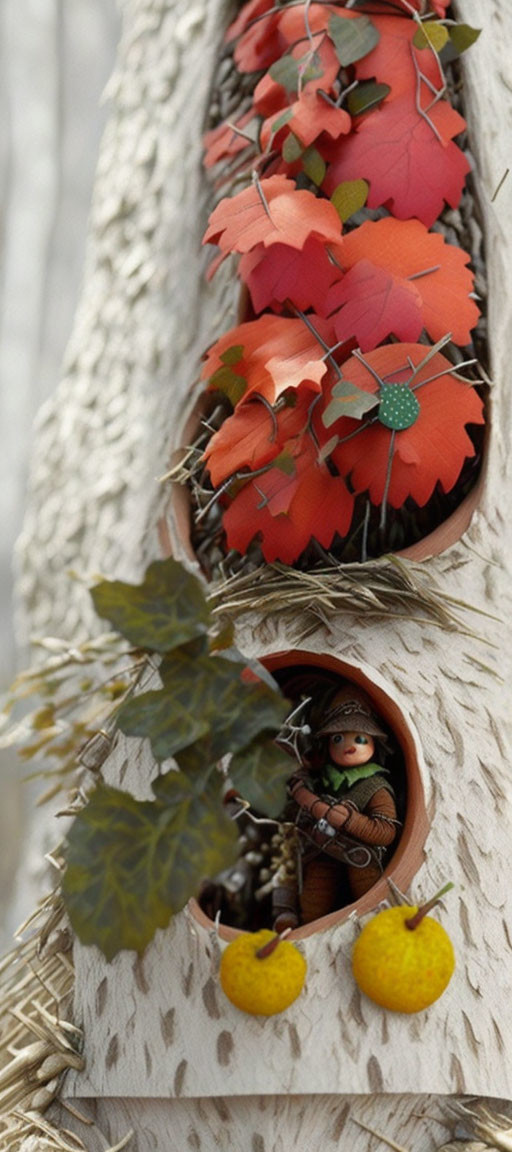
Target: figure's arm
(335,814)
(376,825)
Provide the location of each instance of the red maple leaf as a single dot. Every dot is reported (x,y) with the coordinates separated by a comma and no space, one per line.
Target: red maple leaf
(268,39)
(373,304)
(223,141)
(419,281)
(271,212)
(397,62)
(277,353)
(313,116)
(280,273)
(290,508)
(271,97)
(245,440)
(410,166)
(250,11)
(438,6)
(392,463)
(259,44)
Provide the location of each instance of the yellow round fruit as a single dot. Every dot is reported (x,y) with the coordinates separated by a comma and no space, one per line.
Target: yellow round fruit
(263,985)
(402,969)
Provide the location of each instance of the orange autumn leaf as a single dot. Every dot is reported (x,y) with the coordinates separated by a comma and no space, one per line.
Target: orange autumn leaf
(224,141)
(422,282)
(245,440)
(417,438)
(287,509)
(271,212)
(277,353)
(253,436)
(311,117)
(319,71)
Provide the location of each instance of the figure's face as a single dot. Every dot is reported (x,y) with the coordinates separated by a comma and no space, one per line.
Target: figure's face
(351,748)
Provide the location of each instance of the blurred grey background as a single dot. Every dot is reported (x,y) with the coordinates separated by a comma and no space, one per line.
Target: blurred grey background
(55,59)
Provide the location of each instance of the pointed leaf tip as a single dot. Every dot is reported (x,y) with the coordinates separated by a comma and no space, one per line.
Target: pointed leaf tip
(166,609)
(352,39)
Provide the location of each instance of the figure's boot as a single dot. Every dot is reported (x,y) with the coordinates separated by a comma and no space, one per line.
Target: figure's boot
(362,879)
(285,907)
(320,888)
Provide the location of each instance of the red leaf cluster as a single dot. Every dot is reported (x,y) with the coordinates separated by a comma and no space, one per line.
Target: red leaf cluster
(277,353)
(399,278)
(343,97)
(412,461)
(271,212)
(280,503)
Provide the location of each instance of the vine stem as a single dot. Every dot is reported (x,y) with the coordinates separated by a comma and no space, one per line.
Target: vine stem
(413,921)
(271,945)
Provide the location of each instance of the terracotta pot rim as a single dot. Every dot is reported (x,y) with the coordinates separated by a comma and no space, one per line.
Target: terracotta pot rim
(409,855)
(175,535)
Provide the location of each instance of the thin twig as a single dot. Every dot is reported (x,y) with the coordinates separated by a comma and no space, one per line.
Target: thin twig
(380,1136)
(384,508)
(500,185)
(421,111)
(425,272)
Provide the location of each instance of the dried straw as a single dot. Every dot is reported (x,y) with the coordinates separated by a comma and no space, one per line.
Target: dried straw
(388,587)
(38,1041)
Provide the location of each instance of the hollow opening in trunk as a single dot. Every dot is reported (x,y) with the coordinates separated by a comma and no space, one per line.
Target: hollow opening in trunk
(355,816)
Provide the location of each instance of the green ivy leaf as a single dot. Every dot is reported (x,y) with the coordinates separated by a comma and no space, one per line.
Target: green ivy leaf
(237,712)
(431,35)
(285,462)
(167,609)
(462,36)
(367,95)
(230,383)
(314,165)
(292,149)
(131,865)
(352,39)
(232,355)
(313,70)
(281,121)
(348,400)
(224,638)
(349,197)
(259,772)
(165,717)
(203,711)
(286,72)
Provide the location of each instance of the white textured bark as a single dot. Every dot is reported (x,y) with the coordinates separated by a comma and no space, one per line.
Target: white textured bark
(158,1033)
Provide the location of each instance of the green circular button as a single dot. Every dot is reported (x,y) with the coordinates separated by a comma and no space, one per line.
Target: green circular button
(398,407)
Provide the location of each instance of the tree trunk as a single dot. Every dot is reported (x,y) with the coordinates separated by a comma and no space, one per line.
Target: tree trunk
(166,1055)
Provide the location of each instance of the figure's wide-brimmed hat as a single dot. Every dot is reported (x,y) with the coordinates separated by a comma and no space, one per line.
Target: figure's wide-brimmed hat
(351,711)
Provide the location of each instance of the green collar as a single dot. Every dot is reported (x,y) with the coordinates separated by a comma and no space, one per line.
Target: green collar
(335,778)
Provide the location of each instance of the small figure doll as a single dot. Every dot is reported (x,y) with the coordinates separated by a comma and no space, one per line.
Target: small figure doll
(344,809)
